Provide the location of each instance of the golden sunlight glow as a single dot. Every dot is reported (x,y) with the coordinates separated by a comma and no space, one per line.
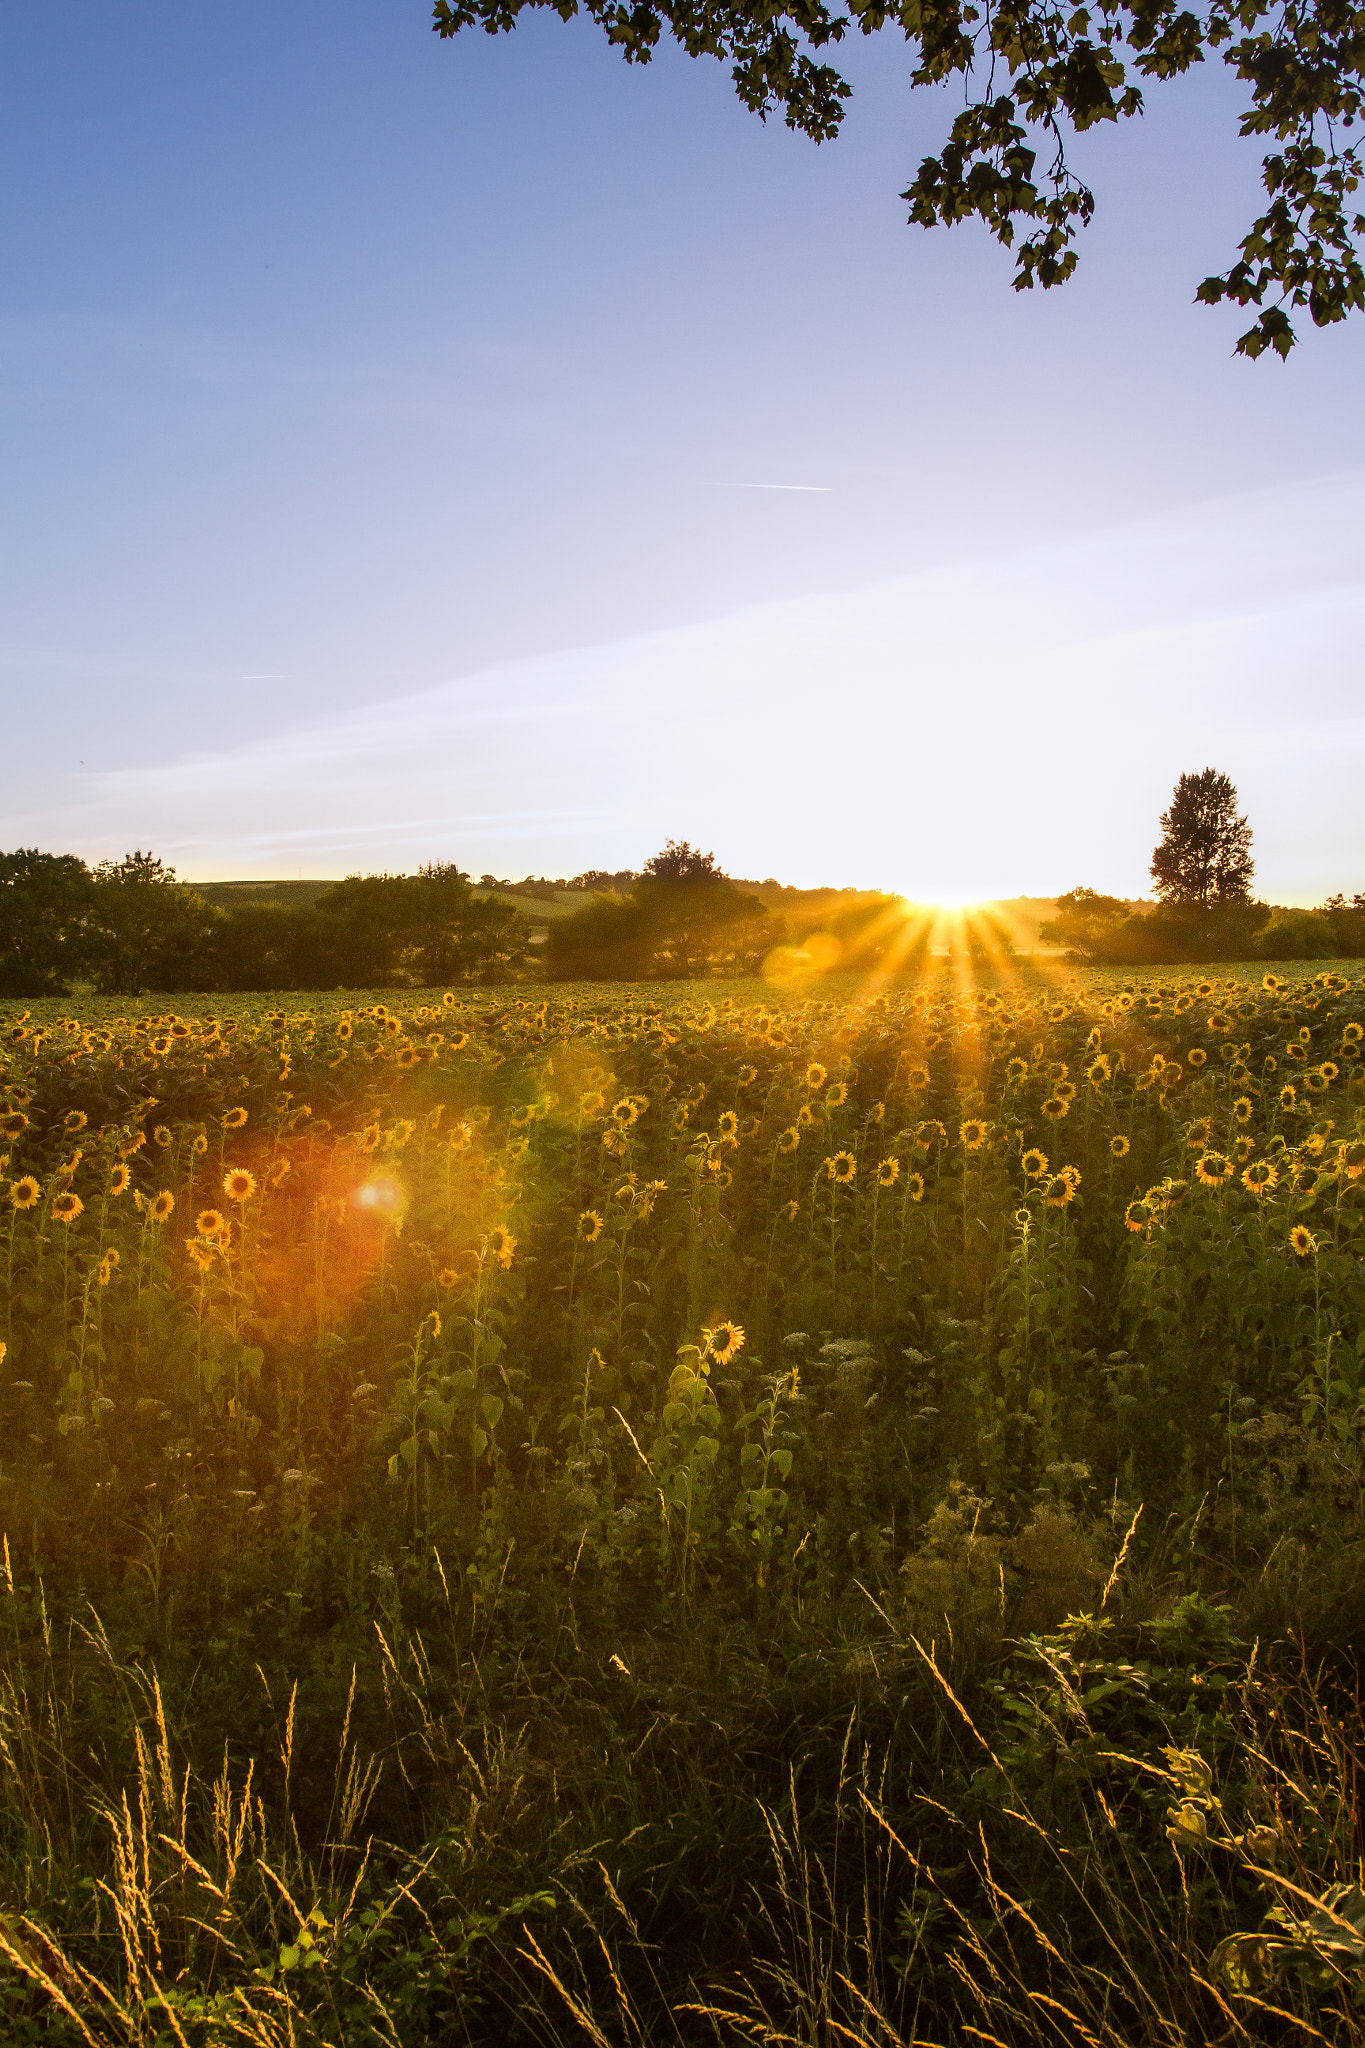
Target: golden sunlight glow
(380,1197)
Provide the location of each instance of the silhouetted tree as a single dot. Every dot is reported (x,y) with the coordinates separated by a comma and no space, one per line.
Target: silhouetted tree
(44,903)
(145,931)
(1205,851)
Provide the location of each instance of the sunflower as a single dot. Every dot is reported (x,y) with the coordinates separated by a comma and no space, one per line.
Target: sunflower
(724,1341)
(233,1119)
(162,1206)
(500,1244)
(914,1187)
(1138,1215)
(917,1078)
(816,1075)
(1329,1070)
(1098,1072)
(1059,1190)
(789,1139)
(1196,1056)
(449,1000)
(1289,1095)
(1055,1108)
(589,1227)
(24,1193)
(278,1173)
(162,1136)
(239,1185)
(1034,1163)
(1260,1177)
(837,1096)
(75,1120)
(1302,1241)
(1351,1159)
(747,1076)
(805,1116)
(791,1210)
(66,1207)
(624,1114)
(409,1056)
(202,1258)
(1243,1149)
(345,1029)
(1353,1034)
(209,1222)
(1211,1169)
(888,1173)
(727,1126)
(973,1132)
(13,1124)
(1119,1146)
(841,1168)
(1015,1072)
(105,1271)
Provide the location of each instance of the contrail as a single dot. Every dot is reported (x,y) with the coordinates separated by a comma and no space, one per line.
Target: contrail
(772,487)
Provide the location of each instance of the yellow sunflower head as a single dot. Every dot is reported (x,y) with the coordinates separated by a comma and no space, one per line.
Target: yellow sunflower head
(841,1168)
(24,1193)
(75,1120)
(1119,1146)
(162,1206)
(1260,1177)
(1302,1241)
(233,1119)
(589,1227)
(888,1173)
(239,1185)
(1034,1163)
(973,1133)
(66,1207)
(501,1244)
(724,1341)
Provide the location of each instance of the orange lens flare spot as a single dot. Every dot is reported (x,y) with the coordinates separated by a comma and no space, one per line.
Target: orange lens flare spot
(380,1196)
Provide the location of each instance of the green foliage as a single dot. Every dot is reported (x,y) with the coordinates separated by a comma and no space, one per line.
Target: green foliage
(45,899)
(1034,75)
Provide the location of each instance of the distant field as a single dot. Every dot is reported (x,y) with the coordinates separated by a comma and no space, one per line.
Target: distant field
(1021,916)
(293,895)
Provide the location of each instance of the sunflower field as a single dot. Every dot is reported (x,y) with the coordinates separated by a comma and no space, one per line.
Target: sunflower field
(685,1512)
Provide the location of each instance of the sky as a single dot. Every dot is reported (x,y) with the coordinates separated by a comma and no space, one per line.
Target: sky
(488,451)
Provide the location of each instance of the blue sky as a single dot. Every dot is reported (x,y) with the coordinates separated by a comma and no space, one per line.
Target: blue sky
(387,430)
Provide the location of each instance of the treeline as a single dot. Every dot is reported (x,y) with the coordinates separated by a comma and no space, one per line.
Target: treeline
(684,917)
(129,927)
(1107,931)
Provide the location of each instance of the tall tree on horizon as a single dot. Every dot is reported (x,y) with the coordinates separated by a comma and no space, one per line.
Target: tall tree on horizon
(1205,851)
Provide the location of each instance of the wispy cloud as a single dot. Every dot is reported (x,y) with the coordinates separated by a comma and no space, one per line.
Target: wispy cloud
(994,726)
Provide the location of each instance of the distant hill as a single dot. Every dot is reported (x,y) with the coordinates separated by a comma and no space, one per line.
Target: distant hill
(542,902)
(294,895)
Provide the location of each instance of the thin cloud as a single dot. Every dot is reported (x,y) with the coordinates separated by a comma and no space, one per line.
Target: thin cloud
(990,727)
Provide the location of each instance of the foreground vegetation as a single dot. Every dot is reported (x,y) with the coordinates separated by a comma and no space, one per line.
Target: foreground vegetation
(685,1514)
